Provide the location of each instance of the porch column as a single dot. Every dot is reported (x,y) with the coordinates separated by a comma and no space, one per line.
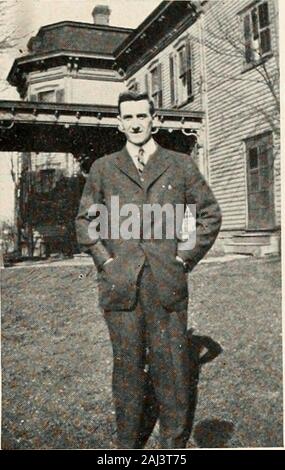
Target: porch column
(201,149)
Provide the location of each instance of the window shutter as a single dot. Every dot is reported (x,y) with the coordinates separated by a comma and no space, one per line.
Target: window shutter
(154,80)
(146,84)
(172,79)
(159,71)
(254,19)
(246,27)
(59,96)
(189,69)
(247,38)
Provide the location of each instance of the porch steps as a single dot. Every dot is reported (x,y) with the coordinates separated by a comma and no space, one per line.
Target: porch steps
(254,243)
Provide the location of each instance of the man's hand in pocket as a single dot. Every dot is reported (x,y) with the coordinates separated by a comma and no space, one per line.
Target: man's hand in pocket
(106,262)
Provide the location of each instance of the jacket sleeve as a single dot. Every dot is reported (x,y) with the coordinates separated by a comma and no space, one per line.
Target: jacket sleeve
(91,195)
(208,215)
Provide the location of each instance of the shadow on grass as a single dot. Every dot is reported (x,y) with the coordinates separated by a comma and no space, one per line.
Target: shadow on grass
(201,349)
(213,433)
(208,433)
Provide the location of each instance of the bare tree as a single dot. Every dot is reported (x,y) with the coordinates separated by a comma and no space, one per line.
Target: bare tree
(224,38)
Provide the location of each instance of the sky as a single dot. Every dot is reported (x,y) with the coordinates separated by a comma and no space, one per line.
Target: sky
(21,19)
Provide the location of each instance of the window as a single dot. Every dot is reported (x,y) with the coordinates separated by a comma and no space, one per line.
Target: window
(256,30)
(180,70)
(260,179)
(49,96)
(46,96)
(156,86)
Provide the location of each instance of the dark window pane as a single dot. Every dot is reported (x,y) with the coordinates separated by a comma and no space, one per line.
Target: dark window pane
(253,181)
(263,15)
(254,23)
(171,67)
(253,158)
(263,199)
(265,42)
(46,96)
(263,160)
(188,56)
(182,61)
(263,154)
(246,25)
(189,83)
(265,179)
(160,99)
(154,80)
(189,73)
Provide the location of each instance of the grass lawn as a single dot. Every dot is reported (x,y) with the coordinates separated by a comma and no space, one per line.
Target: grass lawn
(57,358)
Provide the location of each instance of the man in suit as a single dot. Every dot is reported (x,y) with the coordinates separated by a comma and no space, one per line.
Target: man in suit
(142,279)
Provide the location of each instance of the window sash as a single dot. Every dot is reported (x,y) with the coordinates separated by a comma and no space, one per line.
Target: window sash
(156,85)
(257,36)
(263,15)
(185,67)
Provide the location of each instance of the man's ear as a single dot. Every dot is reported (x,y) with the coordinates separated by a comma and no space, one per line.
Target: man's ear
(120,124)
(155,119)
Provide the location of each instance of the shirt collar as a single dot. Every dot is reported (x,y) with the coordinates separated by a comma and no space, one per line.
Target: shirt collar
(149,148)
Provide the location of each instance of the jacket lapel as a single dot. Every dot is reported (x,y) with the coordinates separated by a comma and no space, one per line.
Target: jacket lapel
(156,166)
(125,163)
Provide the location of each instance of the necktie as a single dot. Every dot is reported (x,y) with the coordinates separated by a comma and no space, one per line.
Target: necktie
(141,163)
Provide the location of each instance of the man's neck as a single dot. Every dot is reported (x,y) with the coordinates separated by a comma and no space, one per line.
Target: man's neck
(149,147)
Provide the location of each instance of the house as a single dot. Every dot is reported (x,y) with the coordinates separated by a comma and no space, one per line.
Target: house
(211,68)
(221,59)
(241,52)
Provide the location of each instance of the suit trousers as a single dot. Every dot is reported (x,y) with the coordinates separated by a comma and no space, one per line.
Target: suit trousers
(151,370)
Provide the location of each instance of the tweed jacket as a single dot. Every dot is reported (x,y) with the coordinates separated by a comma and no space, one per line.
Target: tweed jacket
(168,178)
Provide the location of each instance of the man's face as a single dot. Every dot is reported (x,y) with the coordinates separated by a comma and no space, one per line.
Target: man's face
(136,121)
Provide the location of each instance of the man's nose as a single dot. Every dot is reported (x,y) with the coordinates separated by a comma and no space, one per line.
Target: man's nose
(135,126)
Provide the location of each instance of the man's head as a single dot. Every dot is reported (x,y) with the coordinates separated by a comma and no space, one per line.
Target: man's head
(136,112)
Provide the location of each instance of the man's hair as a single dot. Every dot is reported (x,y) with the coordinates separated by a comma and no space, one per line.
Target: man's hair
(135,96)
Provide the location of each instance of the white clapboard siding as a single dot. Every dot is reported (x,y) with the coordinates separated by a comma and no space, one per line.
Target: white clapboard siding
(237,102)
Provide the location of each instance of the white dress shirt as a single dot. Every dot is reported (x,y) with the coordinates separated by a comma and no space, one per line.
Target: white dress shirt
(149,148)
